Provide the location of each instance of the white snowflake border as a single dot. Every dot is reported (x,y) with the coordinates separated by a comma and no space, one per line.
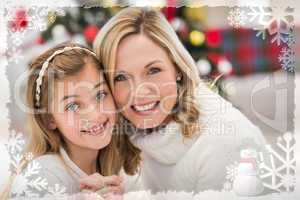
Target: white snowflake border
(287,59)
(236,17)
(37,19)
(277,21)
(276,171)
(27,182)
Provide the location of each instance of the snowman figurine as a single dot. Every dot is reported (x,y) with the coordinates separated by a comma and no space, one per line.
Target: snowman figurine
(247,182)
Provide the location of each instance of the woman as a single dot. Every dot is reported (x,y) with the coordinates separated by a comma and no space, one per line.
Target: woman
(187,133)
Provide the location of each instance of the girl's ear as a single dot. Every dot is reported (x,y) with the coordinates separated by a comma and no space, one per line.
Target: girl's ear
(49,121)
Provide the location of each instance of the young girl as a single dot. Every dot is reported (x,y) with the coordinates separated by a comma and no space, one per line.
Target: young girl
(72,118)
(187,133)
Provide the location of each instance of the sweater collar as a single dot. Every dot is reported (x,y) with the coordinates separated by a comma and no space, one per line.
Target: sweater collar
(74,169)
(166,145)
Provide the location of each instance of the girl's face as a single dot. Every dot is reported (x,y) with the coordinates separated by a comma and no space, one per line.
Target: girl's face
(83,109)
(144,82)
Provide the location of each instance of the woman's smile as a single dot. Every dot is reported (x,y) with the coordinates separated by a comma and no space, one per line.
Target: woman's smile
(146,109)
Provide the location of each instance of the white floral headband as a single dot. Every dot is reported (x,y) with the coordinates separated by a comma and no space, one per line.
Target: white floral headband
(39,80)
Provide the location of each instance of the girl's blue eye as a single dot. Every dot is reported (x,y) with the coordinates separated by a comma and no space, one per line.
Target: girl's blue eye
(154,70)
(120,77)
(101,95)
(72,107)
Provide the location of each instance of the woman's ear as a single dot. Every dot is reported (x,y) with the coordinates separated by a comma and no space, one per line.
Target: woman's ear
(49,121)
(178,77)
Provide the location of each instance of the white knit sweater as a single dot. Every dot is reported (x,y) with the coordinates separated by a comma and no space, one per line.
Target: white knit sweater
(51,175)
(171,162)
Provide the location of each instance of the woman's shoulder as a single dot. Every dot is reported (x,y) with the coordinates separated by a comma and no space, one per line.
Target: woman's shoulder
(224,131)
(209,101)
(220,121)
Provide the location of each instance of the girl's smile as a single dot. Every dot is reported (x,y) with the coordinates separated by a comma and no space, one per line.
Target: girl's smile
(96,129)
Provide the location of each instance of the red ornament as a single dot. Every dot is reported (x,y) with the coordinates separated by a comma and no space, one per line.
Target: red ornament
(90,33)
(20,20)
(213,38)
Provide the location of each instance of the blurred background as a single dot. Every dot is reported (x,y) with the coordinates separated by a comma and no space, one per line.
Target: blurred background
(253,48)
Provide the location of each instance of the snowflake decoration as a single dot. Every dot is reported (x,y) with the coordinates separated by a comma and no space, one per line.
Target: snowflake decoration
(28,156)
(56,190)
(28,182)
(15,143)
(276,20)
(14,54)
(287,59)
(232,171)
(14,146)
(17,37)
(281,168)
(278,172)
(236,17)
(291,39)
(227,186)
(37,18)
(288,181)
(25,184)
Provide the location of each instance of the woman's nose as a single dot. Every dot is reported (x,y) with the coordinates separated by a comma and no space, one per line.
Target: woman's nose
(143,89)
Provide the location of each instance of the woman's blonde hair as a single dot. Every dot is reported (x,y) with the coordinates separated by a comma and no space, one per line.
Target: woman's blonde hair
(43,140)
(154,25)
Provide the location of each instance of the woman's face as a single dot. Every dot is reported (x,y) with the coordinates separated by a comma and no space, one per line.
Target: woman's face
(83,109)
(144,82)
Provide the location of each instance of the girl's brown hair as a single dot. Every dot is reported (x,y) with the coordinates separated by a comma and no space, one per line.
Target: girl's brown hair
(43,140)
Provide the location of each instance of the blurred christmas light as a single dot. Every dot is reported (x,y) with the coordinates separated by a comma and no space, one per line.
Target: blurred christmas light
(213,38)
(195,14)
(197,38)
(224,66)
(178,24)
(60,33)
(78,38)
(204,67)
(90,33)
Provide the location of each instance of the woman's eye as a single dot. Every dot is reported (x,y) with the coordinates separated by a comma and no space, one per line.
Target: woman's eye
(101,95)
(120,77)
(154,70)
(72,107)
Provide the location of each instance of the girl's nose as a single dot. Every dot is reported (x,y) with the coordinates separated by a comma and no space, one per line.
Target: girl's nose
(96,113)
